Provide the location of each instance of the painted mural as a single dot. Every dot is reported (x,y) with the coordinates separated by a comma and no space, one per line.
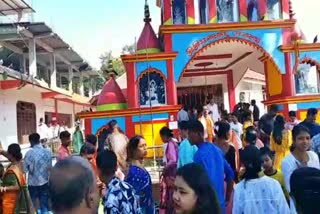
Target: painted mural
(179,12)
(306,79)
(152,90)
(227,11)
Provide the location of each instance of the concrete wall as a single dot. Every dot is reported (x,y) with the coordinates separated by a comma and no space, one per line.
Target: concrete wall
(8,112)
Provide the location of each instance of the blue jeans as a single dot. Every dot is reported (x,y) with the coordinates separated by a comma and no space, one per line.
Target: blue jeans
(40,193)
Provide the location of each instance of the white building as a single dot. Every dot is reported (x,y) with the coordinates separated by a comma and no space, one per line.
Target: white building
(41,76)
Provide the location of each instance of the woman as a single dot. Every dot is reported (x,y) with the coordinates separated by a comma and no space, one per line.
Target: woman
(193,191)
(300,156)
(138,176)
(117,142)
(169,171)
(77,139)
(280,141)
(256,194)
(13,199)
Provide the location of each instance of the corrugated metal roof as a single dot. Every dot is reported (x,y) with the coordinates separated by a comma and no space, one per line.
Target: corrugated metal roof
(10,7)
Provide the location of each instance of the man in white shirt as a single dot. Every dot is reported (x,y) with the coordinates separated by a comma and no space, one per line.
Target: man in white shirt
(43,130)
(183,114)
(213,111)
(237,128)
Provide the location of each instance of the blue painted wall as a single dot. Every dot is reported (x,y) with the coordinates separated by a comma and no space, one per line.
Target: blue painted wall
(307,105)
(160,65)
(270,40)
(147,117)
(97,123)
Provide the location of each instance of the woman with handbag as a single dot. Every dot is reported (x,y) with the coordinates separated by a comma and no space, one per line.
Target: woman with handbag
(13,190)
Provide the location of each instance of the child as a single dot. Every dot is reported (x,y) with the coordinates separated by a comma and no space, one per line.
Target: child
(269,170)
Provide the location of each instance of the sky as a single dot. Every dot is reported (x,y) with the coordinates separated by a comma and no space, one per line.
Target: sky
(93,27)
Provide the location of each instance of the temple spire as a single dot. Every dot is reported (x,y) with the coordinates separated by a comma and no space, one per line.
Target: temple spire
(147,12)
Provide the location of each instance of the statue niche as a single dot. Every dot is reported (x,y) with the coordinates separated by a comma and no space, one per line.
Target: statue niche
(225,11)
(306,79)
(179,12)
(152,89)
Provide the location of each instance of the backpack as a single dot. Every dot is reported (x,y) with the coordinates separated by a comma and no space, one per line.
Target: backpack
(305,189)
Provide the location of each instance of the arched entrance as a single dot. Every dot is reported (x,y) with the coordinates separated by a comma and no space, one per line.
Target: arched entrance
(225,68)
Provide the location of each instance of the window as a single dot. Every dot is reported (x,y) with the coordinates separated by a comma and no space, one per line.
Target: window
(152,89)
(179,12)
(227,10)
(203,11)
(273,9)
(26,121)
(307,79)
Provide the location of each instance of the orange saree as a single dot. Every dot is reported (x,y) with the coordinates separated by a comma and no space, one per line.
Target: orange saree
(12,177)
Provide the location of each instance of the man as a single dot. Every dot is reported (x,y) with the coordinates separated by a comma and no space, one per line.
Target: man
(211,158)
(72,187)
(65,138)
(237,129)
(208,124)
(213,110)
(186,150)
(183,114)
(43,131)
(310,122)
(293,121)
(239,109)
(120,196)
(265,124)
(37,163)
(255,111)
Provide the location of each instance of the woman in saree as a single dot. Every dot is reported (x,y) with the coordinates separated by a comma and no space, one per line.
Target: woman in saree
(169,172)
(138,176)
(77,139)
(13,181)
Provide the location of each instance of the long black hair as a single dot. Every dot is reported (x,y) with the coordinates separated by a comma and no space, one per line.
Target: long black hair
(278,128)
(15,151)
(295,132)
(197,179)
(250,157)
(222,129)
(132,146)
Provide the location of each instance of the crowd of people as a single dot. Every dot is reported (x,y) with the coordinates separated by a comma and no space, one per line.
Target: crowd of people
(231,165)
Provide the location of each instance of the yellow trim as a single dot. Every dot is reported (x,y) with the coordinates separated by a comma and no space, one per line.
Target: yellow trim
(149,50)
(168,22)
(114,106)
(213,20)
(129,112)
(149,57)
(302,47)
(226,26)
(191,21)
(243,18)
(293,100)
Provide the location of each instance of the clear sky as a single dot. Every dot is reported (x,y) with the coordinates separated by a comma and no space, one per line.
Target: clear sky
(93,27)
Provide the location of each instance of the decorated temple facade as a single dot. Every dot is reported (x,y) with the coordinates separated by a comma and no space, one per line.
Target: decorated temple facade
(216,49)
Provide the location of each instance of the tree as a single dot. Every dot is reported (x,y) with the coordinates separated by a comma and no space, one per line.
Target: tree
(129,49)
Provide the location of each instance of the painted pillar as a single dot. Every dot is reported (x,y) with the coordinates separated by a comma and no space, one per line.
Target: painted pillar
(167,12)
(70,78)
(171,85)
(196,7)
(56,111)
(285,9)
(212,15)
(262,9)
(287,78)
(32,58)
(190,12)
(53,68)
(131,85)
(243,10)
(231,90)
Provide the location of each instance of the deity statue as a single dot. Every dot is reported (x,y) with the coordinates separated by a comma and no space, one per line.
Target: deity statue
(225,10)
(178,17)
(151,94)
(256,6)
(273,9)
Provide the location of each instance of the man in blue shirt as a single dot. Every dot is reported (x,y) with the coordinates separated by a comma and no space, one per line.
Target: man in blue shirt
(211,158)
(186,150)
(310,122)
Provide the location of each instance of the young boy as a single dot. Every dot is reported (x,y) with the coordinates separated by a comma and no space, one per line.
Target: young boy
(267,159)
(186,150)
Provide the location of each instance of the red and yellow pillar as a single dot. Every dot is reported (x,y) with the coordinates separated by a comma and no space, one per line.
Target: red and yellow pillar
(231,90)
(212,16)
(131,85)
(167,12)
(171,85)
(190,11)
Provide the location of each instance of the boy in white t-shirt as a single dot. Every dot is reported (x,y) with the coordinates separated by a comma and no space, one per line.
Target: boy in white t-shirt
(237,128)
